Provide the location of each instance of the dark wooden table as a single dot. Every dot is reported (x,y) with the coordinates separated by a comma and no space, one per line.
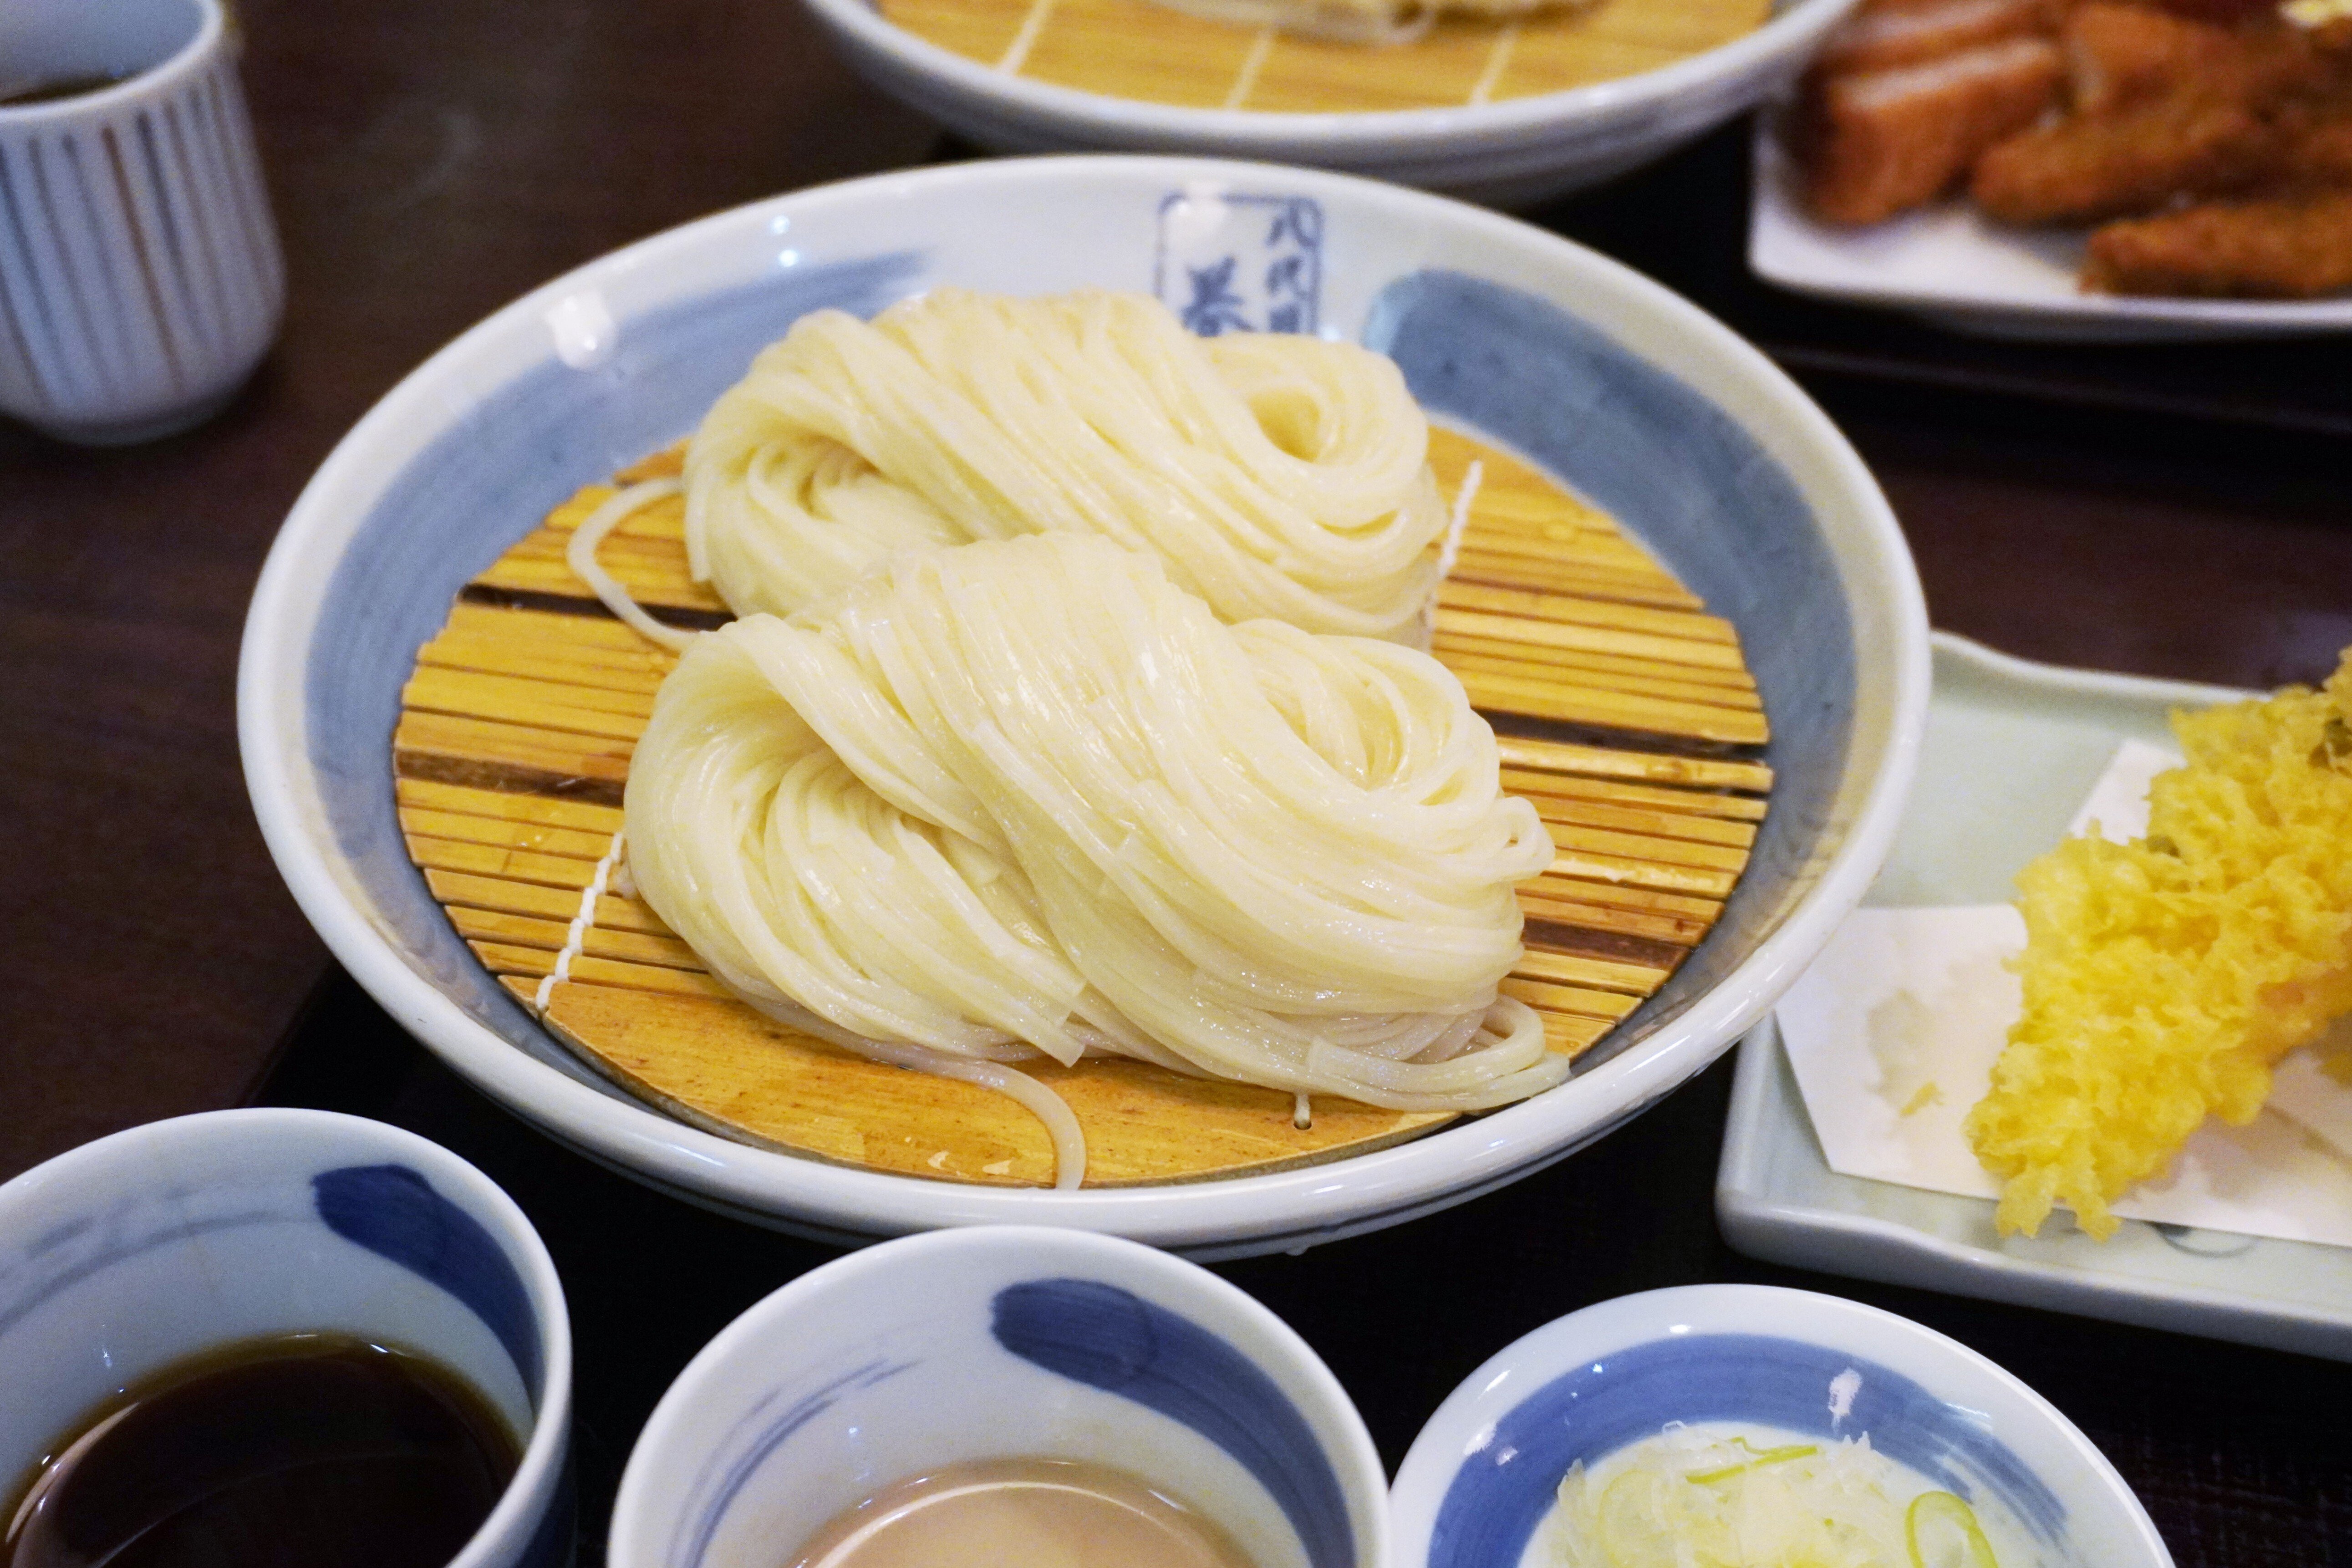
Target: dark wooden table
(2177,512)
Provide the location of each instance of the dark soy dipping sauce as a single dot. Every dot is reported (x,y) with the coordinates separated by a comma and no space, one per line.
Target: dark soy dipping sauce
(312,1451)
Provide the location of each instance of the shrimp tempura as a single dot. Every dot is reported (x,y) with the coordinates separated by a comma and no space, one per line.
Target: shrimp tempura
(2163,977)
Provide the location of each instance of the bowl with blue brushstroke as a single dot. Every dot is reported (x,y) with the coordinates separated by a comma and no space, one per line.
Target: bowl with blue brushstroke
(1700,447)
(141,1251)
(1478,1485)
(994,1344)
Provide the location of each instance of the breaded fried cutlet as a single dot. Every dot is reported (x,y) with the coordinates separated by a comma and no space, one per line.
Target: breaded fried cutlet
(2319,152)
(2272,63)
(2276,247)
(1881,142)
(2100,166)
(1888,33)
(2119,54)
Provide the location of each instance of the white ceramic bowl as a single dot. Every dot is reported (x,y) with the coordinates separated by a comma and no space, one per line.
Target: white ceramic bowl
(1483,1473)
(1003,1341)
(1697,443)
(1512,152)
(126,1255)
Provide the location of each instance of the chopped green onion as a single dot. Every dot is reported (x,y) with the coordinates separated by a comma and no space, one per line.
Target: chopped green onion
(1941,1514)
(1780,1455)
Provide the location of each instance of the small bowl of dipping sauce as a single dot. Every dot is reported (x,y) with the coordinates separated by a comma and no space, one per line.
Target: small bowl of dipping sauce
(1806,1427)
(1003,1395)
(278,1336)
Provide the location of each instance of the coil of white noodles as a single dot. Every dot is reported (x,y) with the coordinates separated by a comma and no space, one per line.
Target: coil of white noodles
(1029,796)
(1278,476)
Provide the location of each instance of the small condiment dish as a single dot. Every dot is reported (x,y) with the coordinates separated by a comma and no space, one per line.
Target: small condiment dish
(999,1342)
(1484,1473)
(141,1251)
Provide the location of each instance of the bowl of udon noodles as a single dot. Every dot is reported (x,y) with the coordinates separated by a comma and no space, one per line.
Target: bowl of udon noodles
(1213,702)
(1497,100)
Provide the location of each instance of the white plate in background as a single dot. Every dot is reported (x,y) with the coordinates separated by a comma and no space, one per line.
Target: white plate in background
(2012,747)
(1511,153)
(1951,267)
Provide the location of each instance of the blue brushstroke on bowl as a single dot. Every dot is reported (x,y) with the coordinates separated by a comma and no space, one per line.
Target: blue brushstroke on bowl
(456,507)
(1694,486)
(1506,1487)
(393,1212)
(698,1527)
(54,1262)
(1112,1339)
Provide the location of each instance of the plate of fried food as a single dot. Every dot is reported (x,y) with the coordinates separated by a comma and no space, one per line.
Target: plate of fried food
(2100,1064)
(2071,169)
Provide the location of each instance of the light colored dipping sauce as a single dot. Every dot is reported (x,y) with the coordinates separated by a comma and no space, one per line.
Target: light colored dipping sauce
(1020,1513)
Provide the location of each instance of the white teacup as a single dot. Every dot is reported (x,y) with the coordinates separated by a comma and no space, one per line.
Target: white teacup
(1001,1342)
(139,275)
(127,1256)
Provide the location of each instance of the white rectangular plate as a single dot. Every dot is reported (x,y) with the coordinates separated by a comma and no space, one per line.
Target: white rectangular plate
(1953,268)
(2011,748)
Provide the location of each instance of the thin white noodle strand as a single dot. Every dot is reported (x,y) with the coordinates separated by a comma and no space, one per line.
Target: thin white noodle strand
(579,554)
(1061,1125)
(1451,549)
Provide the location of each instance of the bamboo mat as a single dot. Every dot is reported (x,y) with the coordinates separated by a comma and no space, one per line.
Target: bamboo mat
(513,744)
(1137,49)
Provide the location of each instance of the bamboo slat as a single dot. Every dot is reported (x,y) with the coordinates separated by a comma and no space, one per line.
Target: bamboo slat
(1546,790)
(1129,49)
(721,1067)
(513,743)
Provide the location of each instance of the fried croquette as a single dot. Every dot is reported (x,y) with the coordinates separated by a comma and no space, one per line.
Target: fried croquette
(2099,166)
(2119,54)
(2273,247)
(2316,148)
(2163,978)
(2321,153)
(1885,141)
(1880,35)
(2217,125)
